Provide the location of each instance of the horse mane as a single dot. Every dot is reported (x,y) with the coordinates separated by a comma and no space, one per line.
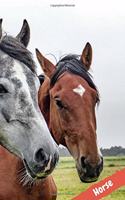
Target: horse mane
(73,64)
(69,57)
(15,49)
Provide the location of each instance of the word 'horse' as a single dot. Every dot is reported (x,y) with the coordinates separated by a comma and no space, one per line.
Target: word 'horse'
(23,130)
(67,100)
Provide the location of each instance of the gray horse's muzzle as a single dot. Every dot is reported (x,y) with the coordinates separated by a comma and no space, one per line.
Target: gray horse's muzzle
(42,165)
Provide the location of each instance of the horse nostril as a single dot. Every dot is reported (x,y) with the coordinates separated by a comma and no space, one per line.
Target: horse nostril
(101,160)
(56,158)
(83,163)
(41,156)
(100,167)
(88,170)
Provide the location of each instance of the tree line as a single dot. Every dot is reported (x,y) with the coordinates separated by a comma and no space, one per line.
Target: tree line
(112,151)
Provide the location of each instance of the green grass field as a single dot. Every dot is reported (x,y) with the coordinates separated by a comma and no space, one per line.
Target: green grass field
(69,185)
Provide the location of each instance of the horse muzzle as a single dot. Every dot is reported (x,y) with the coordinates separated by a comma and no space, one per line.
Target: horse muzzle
(87,172)
(42,165)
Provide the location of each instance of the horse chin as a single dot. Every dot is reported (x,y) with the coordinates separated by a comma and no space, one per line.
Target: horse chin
(86,179)
(33,176)
(83,176)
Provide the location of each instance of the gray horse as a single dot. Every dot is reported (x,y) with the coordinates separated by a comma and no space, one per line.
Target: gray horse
(23,130)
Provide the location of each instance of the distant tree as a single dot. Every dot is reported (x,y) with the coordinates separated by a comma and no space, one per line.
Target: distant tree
(113,151)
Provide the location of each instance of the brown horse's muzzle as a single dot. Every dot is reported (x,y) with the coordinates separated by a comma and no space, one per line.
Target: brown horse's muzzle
(87,172)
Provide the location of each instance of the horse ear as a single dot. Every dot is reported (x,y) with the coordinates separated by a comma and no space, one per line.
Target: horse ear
(45,64)
(1,28)
(24,34)
(86,56)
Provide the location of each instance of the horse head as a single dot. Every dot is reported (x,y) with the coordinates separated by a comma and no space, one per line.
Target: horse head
(68,98)
(23,130)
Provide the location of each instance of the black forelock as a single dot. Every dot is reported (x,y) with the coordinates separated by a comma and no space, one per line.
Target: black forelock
(73,64)
(12,47)
(69,57)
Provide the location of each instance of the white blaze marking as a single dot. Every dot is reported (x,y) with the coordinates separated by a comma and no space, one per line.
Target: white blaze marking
(79,90)
(19,74)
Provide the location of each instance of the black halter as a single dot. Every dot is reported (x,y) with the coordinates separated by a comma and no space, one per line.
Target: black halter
(41,78)
(74,66)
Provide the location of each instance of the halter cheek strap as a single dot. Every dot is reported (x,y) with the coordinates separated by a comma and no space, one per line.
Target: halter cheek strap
(41,78)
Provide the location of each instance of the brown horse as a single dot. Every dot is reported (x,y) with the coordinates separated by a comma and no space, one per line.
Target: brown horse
(23,129)
(67,99)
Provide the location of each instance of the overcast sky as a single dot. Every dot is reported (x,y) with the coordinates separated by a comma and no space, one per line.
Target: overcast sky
(61,30)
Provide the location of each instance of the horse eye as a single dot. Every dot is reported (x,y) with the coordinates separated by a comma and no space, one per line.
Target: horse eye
(3,89)
(59,103)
